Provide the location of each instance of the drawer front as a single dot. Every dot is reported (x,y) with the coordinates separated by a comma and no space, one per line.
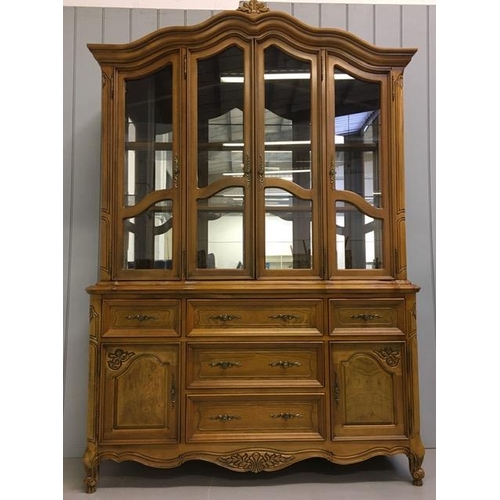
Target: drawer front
(146,318)
(366,314)
(255,417)
(254,317)
(255,365)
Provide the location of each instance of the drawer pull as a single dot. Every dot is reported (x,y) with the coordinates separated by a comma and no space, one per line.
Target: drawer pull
(224,317)
(140,317)
(225,364)
(366,317)
(285,364)
(224,417)
(286,416)
(285,317)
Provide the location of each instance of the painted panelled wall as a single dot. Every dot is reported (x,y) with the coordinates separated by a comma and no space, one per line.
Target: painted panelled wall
(385,25)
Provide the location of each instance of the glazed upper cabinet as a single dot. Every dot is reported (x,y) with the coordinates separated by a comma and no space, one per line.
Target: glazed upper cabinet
(253,156)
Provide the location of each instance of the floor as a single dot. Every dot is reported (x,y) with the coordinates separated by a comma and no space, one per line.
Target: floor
(316,479)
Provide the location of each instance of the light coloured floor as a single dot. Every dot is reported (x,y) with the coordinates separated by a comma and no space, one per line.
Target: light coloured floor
(378,478)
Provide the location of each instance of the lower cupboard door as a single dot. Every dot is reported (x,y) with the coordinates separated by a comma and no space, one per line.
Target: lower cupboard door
(139,397)
(368,393)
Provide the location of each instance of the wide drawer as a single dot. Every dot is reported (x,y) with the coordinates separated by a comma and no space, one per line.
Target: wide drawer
(249,364)
(141,318)
(269,417)
(366,314)
(254,317)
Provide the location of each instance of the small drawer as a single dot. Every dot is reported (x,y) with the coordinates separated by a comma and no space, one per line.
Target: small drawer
(254,317)
(269,417)
(255,365)
(146,318)
(346,314)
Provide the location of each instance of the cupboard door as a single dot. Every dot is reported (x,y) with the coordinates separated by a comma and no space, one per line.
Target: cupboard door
(149,175)
(140,392)
(287,133)
(220,220)
(367,385)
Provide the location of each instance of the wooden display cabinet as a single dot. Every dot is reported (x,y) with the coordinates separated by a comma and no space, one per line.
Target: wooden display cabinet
(252,308)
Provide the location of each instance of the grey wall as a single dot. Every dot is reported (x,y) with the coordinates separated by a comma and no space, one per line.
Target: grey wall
(386,25)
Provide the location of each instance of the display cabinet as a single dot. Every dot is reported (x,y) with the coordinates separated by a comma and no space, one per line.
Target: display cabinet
(252,307)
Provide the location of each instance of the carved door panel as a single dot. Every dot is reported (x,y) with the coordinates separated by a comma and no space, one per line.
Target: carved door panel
(140,392)
(367,384)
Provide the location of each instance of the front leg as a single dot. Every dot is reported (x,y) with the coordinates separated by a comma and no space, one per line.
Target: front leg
(91,464)
(416,470)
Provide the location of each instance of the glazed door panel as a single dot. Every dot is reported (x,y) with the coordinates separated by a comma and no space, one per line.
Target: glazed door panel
(367,381)
(142,382)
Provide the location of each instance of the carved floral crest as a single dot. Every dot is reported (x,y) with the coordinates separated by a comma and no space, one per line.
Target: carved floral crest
(253,7)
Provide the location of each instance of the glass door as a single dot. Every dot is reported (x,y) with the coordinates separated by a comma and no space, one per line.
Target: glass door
(357,212)
(150,177)
(287,162)
(220,159)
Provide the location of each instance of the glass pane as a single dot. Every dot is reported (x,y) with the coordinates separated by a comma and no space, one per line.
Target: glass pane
(357,131)
(287,117)
(220,116)
(148,238)
(148,135)
(359,239)
(288,231)
(220,231)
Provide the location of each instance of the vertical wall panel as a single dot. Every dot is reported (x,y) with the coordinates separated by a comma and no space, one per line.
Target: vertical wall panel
(171,18)
(360,21)
(388,25)
(116,28)
(307,12)
(142,22)
(85,221)
(418,207)
(333,16)
(68,82)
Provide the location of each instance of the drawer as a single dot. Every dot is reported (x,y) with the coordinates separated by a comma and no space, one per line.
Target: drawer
(346,314)
(254,317)
(147,318)
(255,365)
(269,417)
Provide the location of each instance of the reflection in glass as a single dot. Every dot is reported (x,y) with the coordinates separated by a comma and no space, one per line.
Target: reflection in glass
(357,131)
(287,117)
(148,135)
(148,238)
(220,116)
(359,239)
(288,231)
(220,230)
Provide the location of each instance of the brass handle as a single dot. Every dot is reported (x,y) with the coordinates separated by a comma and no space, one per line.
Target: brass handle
(285,317)
(140,317)
(333,172)
(261,170)
(224,317)
(366,317)
(247,169)
(176,171)
(225,364)
(285,364)
(336,391)
(173,392)
(286,416)
(224,417)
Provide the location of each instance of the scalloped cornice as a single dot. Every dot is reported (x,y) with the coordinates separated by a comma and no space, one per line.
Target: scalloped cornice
(246,24)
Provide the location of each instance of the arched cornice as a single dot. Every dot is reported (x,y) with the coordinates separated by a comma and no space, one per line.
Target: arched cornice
(247,26)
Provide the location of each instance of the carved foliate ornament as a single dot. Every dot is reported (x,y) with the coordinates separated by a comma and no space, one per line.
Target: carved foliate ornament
(253,7)
(256,461)
(391,356)
(117,358)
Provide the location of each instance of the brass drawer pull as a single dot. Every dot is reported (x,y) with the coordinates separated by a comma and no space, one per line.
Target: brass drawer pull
(224,417)
(285,364)
(285,317)
(224,317)
(140,317)
(225,364)
(366,317)
(286,416)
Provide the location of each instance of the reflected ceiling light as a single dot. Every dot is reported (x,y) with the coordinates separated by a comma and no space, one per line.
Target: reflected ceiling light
(267,143)
(283,76)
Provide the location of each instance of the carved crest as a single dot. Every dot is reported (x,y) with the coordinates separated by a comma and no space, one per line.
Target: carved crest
(253,7)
